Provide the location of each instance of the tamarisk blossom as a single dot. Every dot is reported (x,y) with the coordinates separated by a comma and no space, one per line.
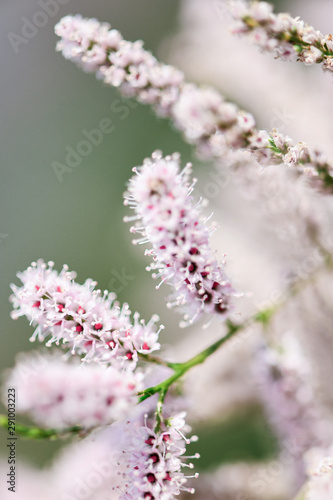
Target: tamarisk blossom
(92,324)
(63,394)
(167,218)
(320,486)
(95,47)
(153,460)
(218,128)
(198,112)
(289,397)
(281,149)
(287,37)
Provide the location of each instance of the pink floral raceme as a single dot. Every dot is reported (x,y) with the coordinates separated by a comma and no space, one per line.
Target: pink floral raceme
(153,466)
(197,112)
(289,396)
(170,221)
(287,37)
(95,47)
(61,394)
(92,324)
(218,128)
(320,485)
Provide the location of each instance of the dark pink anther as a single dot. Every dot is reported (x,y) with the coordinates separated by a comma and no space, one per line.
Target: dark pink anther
(151,478)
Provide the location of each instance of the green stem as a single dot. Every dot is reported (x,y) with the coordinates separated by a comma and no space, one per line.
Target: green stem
(289,36)
(159,418)
(30,432)
(156,360)
(324,171)
(181,368)
(264,316)
(301,495)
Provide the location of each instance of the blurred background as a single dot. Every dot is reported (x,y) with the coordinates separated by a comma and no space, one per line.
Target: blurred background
(46,104)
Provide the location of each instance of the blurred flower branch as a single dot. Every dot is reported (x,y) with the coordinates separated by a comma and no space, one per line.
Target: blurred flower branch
(218,128)
(287,37)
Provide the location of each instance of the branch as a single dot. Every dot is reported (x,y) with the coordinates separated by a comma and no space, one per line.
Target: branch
(156,360)
(181,368)
(30,432)
(287,37)
(225,129)
(263,317)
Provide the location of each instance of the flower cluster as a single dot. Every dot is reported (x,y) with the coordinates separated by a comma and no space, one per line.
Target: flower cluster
(290,400)
(218,128)
(61,394)
(279,148)
(92,324)
(287,37)
(96,47)
(197,112)
(201,113)
(170,221)
(154,464)
(321,482)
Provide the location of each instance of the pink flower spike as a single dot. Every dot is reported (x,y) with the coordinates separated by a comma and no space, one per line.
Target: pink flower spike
(95,47)
(218,129)
(288,38)
(60,394)
(91,324)
(154,465)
